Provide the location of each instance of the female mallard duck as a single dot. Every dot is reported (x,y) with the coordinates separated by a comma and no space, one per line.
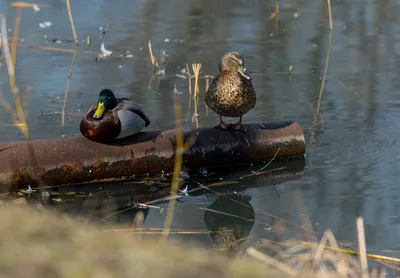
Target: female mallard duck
(111,118)
(231,93)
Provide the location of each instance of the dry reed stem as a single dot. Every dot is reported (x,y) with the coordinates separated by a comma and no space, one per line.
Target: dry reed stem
(330,238)
(189,79)
(190,91)
(71,20)
(15,35)
(153,58)
(21,121)
(330,14)
(271,261)
(321,90)
(27,5)
(67,87)
(207,85)
(177,168)
(18,116)
(46,48)
(196,71)
(157,232)
(375,257)
(362,246)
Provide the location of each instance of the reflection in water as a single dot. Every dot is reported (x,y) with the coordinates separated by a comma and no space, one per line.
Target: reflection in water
(221,200)
(230,220)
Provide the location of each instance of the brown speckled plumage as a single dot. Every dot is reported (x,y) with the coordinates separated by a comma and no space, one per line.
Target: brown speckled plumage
(231,93)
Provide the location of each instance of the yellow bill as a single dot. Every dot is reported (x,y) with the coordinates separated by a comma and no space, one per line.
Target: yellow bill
(101,108)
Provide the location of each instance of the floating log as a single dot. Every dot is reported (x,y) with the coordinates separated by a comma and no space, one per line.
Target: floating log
(79,160)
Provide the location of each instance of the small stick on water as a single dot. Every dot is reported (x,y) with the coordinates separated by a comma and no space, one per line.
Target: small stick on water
(67,88)
(71,19)
(272,159)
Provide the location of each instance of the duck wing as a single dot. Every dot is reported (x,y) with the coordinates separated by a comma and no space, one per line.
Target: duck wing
(130,105)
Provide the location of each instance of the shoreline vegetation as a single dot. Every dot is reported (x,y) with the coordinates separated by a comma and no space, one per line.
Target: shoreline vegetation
(42,243)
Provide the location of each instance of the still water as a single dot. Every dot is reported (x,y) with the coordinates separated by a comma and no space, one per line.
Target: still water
(351,143)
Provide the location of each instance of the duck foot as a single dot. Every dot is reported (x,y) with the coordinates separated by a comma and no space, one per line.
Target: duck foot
(239,125)
(222,124)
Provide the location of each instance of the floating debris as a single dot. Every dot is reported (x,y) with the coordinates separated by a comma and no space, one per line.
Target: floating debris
(184,191)
(57,200)
(28,191)
(184,175)
(45,24)
(195,115)
(166,40)
(104,51)
(129,56)
(120,66)
(45,196)
(176,91)
(183,74)
(36,8)
(203,172)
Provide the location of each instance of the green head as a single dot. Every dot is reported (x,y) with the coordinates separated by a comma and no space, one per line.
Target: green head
(106,101)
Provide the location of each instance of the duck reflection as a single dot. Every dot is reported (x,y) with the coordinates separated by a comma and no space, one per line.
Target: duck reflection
(230,218)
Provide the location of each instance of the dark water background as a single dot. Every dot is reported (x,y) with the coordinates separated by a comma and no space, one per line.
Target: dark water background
(351,145)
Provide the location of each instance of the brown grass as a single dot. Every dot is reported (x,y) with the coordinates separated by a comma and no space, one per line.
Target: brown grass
(38,243)
(42,244)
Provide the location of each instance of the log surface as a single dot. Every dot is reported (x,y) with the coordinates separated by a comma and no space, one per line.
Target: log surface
(79,160)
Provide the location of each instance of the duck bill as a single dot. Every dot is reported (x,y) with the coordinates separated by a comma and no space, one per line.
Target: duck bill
(99,111)
(242,71)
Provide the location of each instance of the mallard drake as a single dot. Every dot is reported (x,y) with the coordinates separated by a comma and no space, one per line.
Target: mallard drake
(111,118)
(231,93)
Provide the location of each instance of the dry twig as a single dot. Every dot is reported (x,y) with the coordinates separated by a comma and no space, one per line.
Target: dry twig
(71,19)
